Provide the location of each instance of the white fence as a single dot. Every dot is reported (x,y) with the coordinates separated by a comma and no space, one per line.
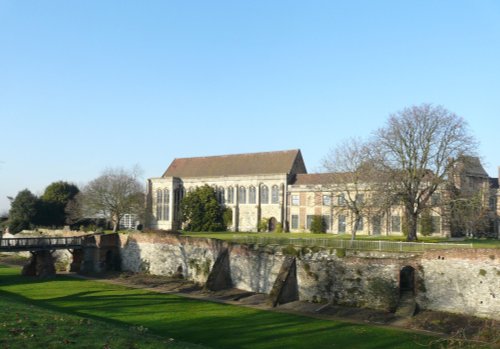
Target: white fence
(389,246)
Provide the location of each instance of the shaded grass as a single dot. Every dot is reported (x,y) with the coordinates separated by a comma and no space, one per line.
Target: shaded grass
(195,321)
(28,326)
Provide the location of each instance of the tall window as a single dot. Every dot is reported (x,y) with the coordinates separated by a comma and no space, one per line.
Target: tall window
(275,194)
(309,219)
(341,223)
(264,194)
(242,195)
(159,204)
(360,198)
(295,221)
(252,195)
(493,203)
(230,195)
(360,224)
(162,205)
(221,197)
(341,200)
(436,224)
(166,205)
(396,224)
(295,200)
(435,199)
(326,221)
(327,200)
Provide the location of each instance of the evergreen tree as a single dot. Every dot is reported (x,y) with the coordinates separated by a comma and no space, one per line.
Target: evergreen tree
(52,205)
(201,211)
(23,211)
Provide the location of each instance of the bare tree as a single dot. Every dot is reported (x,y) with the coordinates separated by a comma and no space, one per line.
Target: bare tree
(356,180)
(417,148)
(115,193)
(468,215)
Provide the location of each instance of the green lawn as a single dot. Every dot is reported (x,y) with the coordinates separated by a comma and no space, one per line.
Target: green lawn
(232,235)
(194,321)
(28,326)
(478,243)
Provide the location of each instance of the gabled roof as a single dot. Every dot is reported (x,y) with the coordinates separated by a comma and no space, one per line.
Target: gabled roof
(276,162)
(314,179)
(472,166)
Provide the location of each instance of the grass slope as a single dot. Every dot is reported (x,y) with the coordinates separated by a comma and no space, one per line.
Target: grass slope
(194,321)
(28,326)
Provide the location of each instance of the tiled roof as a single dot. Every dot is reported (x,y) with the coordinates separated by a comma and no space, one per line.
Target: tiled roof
(277,162)
(321,178)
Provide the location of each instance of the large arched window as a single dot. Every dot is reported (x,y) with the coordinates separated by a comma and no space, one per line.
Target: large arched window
(159,204)
(251,195)
(264,194)
(275,195)
(242,195)
(166,205)
(230,195)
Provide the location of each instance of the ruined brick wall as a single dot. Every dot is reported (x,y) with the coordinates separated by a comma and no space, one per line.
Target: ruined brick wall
(459,281)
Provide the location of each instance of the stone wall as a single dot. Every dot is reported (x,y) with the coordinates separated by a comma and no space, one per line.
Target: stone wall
(169,255)
(464,281)
(460,281)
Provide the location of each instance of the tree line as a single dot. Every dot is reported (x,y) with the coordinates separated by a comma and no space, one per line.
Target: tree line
(109,197)
(405,163)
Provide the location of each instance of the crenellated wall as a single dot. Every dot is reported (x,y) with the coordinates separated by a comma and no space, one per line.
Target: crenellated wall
(459,281)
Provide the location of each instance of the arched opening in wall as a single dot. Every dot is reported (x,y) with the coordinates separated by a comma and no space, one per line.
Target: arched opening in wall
(272,224)
(109,260)
(407,280)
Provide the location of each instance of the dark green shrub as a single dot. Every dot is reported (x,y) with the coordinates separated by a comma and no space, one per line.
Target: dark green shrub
(318,224)
(227,217)
(201,211)
(426,227)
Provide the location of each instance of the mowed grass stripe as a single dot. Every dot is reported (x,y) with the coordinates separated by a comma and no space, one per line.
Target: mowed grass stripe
(28,326)
(211,324)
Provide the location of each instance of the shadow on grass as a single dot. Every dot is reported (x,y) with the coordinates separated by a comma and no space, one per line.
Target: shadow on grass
(195,321)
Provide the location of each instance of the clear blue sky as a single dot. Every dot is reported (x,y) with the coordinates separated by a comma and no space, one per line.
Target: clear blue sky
(86,85)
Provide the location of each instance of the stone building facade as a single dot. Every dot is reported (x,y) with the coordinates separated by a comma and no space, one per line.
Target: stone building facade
(254,186)
(275,186)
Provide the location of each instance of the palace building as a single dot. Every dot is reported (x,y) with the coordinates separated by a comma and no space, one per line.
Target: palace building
(275,187)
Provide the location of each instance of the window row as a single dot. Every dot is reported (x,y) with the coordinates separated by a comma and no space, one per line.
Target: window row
(248,195)
(395,223)
(326,200)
